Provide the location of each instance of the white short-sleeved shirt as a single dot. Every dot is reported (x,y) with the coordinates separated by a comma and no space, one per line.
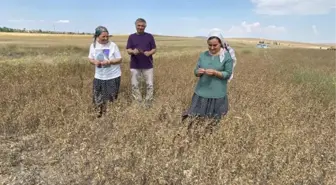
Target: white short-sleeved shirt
(106,52)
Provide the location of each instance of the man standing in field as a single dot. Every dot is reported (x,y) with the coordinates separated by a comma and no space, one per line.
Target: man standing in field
(141,46)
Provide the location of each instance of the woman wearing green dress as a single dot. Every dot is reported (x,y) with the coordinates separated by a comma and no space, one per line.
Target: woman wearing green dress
(214,69)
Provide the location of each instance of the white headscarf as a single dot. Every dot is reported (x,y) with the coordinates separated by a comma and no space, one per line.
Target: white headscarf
(215,32)
(219,33)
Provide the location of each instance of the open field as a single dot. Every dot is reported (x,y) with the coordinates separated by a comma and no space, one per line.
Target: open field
(16,37)
(280,128)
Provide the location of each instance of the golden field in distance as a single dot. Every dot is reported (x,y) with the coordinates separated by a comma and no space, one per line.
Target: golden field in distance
(280,128)
(251,41)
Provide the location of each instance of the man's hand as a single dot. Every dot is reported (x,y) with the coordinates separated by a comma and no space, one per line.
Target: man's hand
(135,51)
(147,53)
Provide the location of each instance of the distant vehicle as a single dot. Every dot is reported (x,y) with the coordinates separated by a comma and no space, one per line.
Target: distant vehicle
(260,45)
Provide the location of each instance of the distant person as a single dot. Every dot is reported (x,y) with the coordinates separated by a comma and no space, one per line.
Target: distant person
(106,57)
(233,56)
(214,69)
(141,47)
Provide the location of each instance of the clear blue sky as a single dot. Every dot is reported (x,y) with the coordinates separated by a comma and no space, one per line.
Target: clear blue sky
(297,20)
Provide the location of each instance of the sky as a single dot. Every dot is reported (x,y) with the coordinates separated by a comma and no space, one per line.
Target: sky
(296,20)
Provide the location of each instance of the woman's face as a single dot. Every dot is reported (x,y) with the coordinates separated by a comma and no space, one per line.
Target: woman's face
(214,45)
(103,38)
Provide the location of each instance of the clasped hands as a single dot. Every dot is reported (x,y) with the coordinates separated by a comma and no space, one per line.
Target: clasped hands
(103,63)
(136,52)
(209,72)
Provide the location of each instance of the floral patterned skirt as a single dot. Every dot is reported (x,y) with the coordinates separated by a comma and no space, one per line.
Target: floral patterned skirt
(105,90)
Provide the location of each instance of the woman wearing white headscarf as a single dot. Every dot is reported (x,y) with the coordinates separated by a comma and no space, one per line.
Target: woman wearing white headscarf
(214,69)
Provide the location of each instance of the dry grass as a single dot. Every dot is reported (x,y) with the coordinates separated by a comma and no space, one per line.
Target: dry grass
(280,128)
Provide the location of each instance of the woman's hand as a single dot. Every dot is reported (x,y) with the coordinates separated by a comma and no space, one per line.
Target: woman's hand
(96,63)
(105,63)
(210,72)
(200,71)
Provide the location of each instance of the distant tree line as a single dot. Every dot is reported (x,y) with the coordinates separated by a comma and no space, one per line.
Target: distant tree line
(24,30)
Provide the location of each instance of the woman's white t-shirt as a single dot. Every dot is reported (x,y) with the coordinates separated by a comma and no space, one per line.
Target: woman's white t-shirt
(106,52)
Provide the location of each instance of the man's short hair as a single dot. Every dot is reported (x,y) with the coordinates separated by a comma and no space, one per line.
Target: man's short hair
(140,20)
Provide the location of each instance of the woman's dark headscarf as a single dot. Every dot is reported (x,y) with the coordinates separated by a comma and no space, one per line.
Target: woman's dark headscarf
(99,30)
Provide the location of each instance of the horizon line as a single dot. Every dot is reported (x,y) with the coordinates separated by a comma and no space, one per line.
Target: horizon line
(55,33)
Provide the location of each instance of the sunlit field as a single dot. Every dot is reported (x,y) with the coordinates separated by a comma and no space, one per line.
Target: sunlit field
(280,128)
